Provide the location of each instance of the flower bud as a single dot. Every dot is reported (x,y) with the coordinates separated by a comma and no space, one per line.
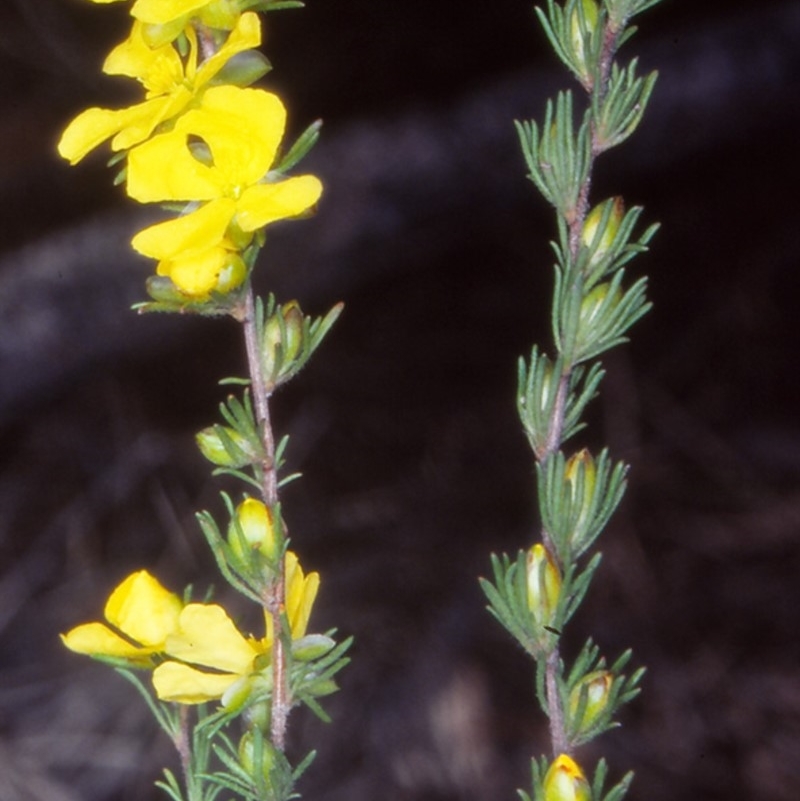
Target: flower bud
(600,241)
(580,35)
(591,306)
(596,687)
(564,781)
(239,452)
(254,522)
(544,585)
(232,274)
(248,756)
(581,474)
(283,339)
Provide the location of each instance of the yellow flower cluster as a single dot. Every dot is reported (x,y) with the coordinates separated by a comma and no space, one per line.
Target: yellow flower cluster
(196,651)
(197,140)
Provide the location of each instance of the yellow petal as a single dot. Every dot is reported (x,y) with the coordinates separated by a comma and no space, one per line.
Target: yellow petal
(207,636)
(198,231)
(160,12)
(245,36)
(165,169)
(88,130)
(242,127)
(96,639)
(196,273)
(263,204)
(143,610)
(186,685)
(301,591)
(159,68)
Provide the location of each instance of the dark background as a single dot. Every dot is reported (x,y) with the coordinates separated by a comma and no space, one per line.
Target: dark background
(404,426)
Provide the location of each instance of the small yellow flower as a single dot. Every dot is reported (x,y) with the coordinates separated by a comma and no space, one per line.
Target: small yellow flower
(242,129)
(142,613)
(565,781)
(170,84)
(213,654)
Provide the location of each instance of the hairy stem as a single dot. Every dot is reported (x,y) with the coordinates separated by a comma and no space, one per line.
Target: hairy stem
(274,596)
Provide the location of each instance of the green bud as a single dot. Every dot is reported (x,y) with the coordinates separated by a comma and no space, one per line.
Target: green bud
(311,647)
(595,687)
(255,524)
(232,274)
(581,33)
(544,585)
(284,333)
(249,754)
(565,781)
(581,474)
(596,239)
(212,443)
(594,308)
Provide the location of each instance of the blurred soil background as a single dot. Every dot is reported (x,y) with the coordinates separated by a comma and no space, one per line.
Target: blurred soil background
(415,467)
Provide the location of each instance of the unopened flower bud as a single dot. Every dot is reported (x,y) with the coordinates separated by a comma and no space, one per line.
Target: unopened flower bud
(283,340)
(600,241)
(564,781)
(248,756)
(211,442)
(581,474)
(255,522)
(579,34)
(591,306)
(232,274)
(544,585)
(596,687)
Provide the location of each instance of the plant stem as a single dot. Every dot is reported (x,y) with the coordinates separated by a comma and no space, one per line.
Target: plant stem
(274,595)
(558,736)
(183,744)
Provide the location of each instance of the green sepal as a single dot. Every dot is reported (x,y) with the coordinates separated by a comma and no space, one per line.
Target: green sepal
(166,297)
(242,69)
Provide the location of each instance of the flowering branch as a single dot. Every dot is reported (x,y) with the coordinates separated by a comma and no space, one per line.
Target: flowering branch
(536,594)
(203,138)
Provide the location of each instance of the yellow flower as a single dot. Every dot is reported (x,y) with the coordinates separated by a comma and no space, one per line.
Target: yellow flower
(565,781)
(170,87)
(143,615)
(175,14)
(242,131)
(207,638)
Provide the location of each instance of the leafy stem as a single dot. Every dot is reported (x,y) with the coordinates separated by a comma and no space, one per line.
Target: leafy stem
(274,595)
